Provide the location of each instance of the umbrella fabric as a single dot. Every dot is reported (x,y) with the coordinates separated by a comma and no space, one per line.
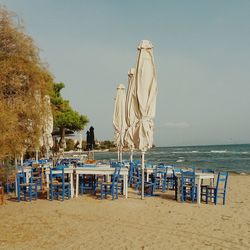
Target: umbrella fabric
(80,141)
(119,121)
(131,103)
(146,91)
(48,124)
(46,138)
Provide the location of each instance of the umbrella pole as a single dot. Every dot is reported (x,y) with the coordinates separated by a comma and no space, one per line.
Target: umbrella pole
(131,155)
(121,155)
(47,153)
(118,155)
(142,174)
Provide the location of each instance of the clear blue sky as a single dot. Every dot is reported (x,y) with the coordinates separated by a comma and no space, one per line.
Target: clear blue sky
(202,54)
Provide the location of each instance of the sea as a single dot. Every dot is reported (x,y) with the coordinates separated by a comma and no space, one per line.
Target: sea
(232,158)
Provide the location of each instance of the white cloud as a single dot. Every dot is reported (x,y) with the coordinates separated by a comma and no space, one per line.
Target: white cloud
(180,125)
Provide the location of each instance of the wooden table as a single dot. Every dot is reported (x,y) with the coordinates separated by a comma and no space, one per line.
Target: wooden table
(198,178)
(102,170)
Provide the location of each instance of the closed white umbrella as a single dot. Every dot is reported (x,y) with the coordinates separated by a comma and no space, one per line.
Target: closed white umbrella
(47,139)
(131,119)
(145,91)
(119,121)
(80,142)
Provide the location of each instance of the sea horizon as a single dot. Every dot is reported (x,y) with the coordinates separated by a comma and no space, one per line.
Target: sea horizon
(228,157)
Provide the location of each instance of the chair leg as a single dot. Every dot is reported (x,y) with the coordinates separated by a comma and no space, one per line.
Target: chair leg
(51,193)
(36,191)
(112,192)
(24,193)
(224,198)
(117,191)
(101,190)
(215,198)
(207,195)
(30,192)
(18,193)
(63,192)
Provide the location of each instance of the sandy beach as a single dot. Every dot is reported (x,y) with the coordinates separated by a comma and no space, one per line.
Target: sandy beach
(155,223)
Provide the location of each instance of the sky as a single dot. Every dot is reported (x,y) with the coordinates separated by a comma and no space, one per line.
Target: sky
(201,51)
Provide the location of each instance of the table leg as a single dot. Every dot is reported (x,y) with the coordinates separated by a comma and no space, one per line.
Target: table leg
(47,185)
(198,191)
(77,184)
(72,185)
(16,185)
(126,186)
(178,193)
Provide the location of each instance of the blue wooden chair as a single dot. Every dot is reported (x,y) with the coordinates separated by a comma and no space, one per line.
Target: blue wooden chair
(131,173)
(37,176)
(58,187)
(87,182)
(149,186)
(112,187)
(159,177)
(25,189)
(175,180)
(188,187)
(134,175)
(219,191)
(168,181)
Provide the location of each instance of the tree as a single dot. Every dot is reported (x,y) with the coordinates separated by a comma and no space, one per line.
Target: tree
(65,118)
(24,81)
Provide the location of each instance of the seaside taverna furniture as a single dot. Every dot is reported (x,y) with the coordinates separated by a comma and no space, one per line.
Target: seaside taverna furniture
(25,187)
(58,187)
(219,191)
(112,186)
(188,186)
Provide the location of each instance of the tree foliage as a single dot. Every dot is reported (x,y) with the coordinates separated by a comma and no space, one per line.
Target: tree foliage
(24,81)
(65,118)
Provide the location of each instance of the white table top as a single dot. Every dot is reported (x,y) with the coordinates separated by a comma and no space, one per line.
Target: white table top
(200,175)
(106,169)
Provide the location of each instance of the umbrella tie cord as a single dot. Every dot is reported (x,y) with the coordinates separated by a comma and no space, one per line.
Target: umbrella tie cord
(146,120)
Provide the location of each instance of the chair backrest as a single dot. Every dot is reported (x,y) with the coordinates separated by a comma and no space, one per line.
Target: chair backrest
(160,170)
(21,178)
(59,174)
(116,174)
(222,181)
(187,177)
